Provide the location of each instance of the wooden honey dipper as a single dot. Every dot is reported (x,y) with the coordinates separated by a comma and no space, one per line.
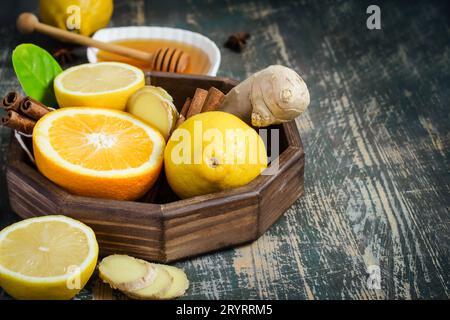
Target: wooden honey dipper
(164,59)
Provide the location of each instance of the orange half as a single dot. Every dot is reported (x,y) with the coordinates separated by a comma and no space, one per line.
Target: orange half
(100,153)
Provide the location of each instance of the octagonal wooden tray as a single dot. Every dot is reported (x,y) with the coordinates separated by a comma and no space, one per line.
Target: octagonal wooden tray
(160,227)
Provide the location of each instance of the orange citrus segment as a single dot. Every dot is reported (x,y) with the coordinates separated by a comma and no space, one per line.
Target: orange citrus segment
(100,142)
(98,152)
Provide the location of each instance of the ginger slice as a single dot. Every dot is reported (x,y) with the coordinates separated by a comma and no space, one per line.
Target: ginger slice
(154,106)
(126,273)
(180,282)
(157,289)
(163,93)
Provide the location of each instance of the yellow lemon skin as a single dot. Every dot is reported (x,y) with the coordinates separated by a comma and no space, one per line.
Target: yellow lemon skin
(41,290)
(211,152)
(94,14)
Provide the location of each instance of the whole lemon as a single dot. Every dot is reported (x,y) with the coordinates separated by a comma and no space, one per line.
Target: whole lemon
(83,16)
(213,151)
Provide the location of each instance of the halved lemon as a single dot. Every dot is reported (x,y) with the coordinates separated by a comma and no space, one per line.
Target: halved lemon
(97,152)
(50,257)
(102,85)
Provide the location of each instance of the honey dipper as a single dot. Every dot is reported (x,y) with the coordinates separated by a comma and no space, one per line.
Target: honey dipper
(165,59)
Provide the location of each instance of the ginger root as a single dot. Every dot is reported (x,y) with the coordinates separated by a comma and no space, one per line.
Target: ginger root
(140,279)
(154,106)
(180,282)
(273,95)
(157,289)
(126,273)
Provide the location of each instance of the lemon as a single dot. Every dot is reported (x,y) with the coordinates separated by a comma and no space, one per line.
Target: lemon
(213,151)
(98,153)
(101,85)
(91,15)
(50,257)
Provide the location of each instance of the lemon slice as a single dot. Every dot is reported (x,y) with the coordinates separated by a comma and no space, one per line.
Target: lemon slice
(50,257)
(102,85)
(98,152)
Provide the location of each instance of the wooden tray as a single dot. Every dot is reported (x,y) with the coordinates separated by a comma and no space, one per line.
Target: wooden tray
(161,227)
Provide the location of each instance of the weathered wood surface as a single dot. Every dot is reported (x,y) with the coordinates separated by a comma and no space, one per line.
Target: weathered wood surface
(376,136)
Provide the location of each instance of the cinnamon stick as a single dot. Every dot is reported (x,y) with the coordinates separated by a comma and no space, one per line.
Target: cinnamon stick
(213,100)
(11,101)
(185,108)
(33,109)
(197,102)
(180,120)
(16,121)
(183,113)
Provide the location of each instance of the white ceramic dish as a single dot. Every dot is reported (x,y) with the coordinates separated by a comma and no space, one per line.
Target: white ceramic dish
(188,37)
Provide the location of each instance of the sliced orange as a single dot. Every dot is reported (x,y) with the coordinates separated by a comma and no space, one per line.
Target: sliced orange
(100,153)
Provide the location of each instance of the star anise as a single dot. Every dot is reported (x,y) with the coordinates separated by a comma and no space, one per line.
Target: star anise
(237,41)
(64,56)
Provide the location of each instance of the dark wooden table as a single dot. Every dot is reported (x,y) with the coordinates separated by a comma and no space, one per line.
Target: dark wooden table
(377,139)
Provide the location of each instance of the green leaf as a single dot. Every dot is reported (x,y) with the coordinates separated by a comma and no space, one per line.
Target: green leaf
(36,69)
